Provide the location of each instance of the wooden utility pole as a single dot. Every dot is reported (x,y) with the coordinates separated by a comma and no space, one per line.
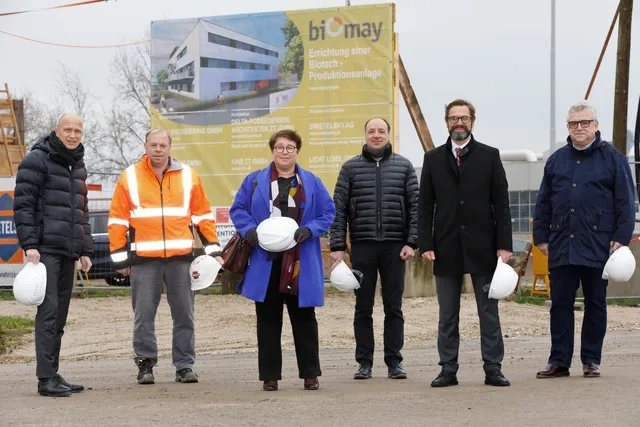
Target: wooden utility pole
(414,108)
(621,103)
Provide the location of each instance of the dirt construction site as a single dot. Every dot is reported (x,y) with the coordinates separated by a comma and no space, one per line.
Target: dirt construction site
(96,352)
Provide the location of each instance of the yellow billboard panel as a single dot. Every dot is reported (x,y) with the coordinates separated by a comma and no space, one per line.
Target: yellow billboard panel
(223,85)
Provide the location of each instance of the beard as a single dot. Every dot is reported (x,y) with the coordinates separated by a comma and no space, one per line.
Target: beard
(457,134)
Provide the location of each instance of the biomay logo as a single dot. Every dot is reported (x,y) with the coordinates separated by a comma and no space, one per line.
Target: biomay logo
(335,27)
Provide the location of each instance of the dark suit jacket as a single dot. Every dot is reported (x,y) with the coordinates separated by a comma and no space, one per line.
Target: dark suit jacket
(464,211)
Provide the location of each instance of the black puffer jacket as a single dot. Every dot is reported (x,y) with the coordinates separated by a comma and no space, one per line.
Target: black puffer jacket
(378,200)
(50,204)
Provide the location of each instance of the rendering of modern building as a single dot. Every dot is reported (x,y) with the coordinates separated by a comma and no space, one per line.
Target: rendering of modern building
(214,61)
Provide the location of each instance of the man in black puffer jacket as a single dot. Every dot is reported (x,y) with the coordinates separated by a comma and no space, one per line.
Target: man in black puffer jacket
(52,222)
(376,197)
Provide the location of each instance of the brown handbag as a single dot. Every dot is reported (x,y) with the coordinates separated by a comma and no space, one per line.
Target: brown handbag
(237,251)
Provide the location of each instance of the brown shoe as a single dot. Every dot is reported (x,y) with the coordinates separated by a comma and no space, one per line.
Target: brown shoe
(553,371)
(591,370)
(270,386)
(311,384)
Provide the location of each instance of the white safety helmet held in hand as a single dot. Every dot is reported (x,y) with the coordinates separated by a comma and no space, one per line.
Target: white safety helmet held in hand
(275,234)
(504,281)
(203,271)
(344,278)
(30,285)
(620,266)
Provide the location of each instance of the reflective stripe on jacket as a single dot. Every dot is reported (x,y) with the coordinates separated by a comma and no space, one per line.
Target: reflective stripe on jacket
(158,214)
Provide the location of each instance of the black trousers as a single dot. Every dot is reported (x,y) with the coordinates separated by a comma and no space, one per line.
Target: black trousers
(565,281)
(370,257)
(305,332)
(52,313)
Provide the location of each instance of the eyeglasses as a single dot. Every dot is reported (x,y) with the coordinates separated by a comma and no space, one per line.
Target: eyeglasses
(454,119)
(584,123)
(280,149)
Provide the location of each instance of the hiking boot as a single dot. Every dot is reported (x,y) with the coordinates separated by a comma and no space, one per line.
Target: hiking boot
(363,372)
(396,372)
(186,375)
(145,371)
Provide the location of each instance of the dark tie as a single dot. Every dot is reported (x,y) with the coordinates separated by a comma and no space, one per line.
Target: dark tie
(458,150)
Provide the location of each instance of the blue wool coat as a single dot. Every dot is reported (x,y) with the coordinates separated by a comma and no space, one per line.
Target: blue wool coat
(319,214)
(585,201)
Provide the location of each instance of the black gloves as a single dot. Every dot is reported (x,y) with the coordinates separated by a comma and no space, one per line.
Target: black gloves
(252,237)
(302,234)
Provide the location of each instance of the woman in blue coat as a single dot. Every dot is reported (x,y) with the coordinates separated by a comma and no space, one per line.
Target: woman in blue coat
(294,277)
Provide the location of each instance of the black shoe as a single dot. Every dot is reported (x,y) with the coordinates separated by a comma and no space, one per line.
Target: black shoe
(445,379)
(186,375)
(363,373)
(145,371)
(396,372)
(51,387)
(75,388)
(496,378)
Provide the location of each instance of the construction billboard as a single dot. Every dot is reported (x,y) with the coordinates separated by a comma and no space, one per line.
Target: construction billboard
(223,85)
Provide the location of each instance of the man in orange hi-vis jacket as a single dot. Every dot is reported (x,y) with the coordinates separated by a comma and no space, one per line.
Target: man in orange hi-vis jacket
(157,200)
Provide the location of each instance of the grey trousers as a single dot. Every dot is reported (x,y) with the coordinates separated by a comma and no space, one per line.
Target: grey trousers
(449,290)
(146,289)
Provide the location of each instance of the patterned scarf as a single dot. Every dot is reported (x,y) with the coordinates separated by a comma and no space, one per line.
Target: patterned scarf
(289,274)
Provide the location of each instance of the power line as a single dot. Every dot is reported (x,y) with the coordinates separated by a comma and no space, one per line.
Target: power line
(74,46)
(82,3)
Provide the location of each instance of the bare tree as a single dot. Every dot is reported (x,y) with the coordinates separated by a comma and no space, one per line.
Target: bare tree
(121,142)
(132,77)
(40,119)
(113,135)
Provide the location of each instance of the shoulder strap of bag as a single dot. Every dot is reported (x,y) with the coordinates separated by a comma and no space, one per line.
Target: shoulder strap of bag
(253,189)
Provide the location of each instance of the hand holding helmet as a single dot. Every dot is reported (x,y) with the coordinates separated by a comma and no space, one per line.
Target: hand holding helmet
(276,234)
(346,279)
(30,285)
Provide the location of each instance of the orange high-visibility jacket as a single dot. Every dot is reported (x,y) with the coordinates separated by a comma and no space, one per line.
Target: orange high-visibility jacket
(158,214)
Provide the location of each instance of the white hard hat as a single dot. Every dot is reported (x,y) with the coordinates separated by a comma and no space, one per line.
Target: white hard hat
(30,285)
(344,278)
(504,281)
(203,271)
(620,265)
(275,234)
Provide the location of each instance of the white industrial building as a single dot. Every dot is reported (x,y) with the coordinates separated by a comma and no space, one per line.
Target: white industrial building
(214,61)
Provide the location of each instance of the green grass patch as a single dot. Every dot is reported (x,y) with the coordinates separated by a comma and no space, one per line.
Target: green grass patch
(333,290)
(6,296)
(93,293)
(526,298)
(624,302)
(211,290)
(11,328)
